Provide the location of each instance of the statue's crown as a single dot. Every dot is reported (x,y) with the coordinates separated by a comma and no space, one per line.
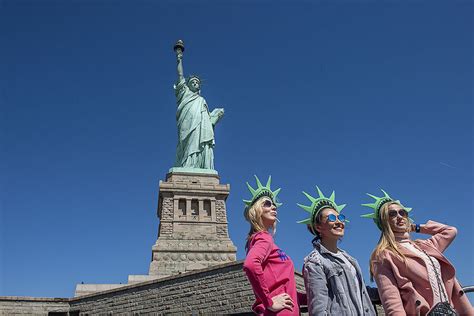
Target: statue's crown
(193,77)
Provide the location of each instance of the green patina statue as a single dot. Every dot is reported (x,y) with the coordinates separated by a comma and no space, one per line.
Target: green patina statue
(195,122)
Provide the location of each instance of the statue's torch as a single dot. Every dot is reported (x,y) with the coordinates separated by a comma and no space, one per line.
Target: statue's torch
(179,47)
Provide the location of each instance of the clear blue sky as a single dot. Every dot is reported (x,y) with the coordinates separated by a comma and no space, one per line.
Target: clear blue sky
(352,96)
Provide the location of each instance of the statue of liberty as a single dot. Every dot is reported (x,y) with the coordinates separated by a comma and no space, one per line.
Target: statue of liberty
(195,122)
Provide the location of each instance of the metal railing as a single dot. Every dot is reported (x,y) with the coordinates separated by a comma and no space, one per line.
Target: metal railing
(468,289)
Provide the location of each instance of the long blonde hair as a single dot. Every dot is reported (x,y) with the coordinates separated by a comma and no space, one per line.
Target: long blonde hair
(253,215)
(387,238)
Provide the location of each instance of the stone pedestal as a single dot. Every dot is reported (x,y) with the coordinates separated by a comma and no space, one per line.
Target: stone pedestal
(192,233)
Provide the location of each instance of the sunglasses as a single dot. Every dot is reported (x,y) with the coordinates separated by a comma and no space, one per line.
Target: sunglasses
(333,218)
(269,203)
(401,212)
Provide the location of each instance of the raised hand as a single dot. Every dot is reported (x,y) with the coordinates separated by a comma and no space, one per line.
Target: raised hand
(179,50)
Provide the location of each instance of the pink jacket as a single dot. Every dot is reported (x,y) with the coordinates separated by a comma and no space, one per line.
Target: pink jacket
(270,272)
(403,284)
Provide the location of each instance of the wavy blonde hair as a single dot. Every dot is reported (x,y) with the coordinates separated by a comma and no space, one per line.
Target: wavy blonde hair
(253,215)
(387,238)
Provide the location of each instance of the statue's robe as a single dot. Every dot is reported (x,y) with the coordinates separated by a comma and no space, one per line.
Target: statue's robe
(195,130)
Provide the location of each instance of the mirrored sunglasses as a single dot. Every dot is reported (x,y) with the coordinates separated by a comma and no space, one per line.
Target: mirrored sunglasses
(333,218)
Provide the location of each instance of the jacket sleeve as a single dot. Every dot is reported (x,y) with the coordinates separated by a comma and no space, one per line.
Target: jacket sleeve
(256,257)
(388,290)
(316,288)
(442,235)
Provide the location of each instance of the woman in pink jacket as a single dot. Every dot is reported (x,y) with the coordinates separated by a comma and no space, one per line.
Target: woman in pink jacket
(413,276)
(269,270)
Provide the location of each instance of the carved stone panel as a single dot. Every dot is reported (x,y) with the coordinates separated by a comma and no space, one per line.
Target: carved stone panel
(221,215)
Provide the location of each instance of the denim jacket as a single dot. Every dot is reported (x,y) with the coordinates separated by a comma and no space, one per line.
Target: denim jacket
(329,282)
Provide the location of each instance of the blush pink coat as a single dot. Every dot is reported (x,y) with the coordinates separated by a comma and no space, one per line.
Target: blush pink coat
(404,286)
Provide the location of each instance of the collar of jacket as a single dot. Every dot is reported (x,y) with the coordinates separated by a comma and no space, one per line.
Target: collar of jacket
(324,251)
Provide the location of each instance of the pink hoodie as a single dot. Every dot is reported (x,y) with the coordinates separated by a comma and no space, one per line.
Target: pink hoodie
(270,272)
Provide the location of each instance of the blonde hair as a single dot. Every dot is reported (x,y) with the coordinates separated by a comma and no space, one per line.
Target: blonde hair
(387,238)
(253,215)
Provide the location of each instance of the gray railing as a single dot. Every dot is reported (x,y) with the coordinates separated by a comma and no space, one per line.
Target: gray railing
(468,289)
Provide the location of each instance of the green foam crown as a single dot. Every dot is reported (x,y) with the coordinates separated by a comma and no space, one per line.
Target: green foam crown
(317,204)
(377,205)
(262,191)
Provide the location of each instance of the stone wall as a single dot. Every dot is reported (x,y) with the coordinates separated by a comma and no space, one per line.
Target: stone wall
(222,290)
(13,305)
(218,290)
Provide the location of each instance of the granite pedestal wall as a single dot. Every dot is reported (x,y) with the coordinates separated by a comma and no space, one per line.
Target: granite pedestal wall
(193,232)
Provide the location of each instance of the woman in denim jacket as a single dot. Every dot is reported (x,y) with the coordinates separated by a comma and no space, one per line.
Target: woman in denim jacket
(333,279)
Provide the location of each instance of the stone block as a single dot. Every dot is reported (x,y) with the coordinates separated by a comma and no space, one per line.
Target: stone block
(85,289)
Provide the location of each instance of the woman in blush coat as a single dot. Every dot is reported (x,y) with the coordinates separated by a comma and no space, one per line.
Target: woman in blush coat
(413,276)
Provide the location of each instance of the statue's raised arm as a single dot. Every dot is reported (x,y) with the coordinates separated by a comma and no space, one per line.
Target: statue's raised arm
(195,148)
(179,50)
